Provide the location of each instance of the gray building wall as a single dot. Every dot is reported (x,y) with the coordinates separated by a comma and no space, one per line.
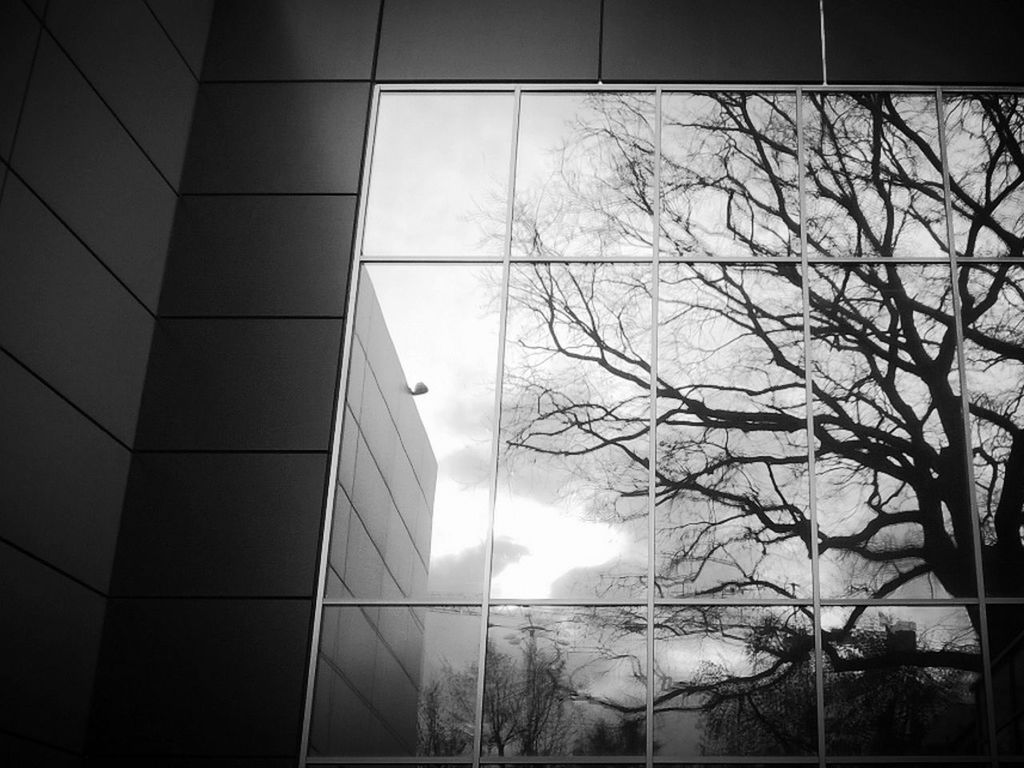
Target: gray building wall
(171,319)
(96,102)
(380,548)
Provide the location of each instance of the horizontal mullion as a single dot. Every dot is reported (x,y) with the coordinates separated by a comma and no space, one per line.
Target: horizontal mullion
(677,87)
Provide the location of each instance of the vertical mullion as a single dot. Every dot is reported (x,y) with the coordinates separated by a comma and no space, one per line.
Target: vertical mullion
(819,669)
(821,26)
(485,606)
(653,437)
(339,421)
(965,415)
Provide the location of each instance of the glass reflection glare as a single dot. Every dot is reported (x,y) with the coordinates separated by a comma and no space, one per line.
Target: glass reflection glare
(439,174)
(729,175)
(571,518)
(873,176)
(584,174)
(412,504)
(562,681)
(396,681)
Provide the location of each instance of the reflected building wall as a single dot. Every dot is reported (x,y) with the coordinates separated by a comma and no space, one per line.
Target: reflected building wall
(380,549)
(204,619)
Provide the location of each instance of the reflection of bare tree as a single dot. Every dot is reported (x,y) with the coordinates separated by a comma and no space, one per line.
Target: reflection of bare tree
(445,712)
(893,501)
(524,700)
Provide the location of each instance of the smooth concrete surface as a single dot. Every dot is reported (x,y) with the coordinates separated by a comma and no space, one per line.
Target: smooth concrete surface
(48,651)
(135,69)
(62,483)
(240,385)
(444,40)
(259,255)
(276,138)
(244,523)
(716,41)
(73,153)
(201,677)
(66,317)
(19,34)
(296,40)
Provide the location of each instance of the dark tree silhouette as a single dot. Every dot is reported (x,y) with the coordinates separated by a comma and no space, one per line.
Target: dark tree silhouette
(882,370)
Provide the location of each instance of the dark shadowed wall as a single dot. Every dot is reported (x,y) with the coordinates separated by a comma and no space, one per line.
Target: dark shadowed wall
(176,220)
(96,103)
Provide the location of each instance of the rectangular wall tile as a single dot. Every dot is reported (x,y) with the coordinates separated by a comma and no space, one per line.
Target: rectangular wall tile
(240,384)
(259,255)
(924,41)
(191,762)
(62,480)
(73,153)
(31,754)
(201,677)
(121,49)
(277,138)
(187,22)
(292,40)
(64,315)
(19,31)
(47,678)
(746,41)
(489,40)
(246,524)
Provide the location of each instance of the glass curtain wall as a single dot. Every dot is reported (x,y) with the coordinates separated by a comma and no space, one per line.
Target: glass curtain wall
(681,426)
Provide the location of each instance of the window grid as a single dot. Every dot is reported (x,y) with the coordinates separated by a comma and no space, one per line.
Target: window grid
(816,602)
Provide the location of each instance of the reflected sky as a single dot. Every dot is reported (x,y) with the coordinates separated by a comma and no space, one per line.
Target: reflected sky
(572,491)
(732,476)
(584,174)
(729,175)
(562,680)
(435,325)
(732,487)
(873,176)
(985,140)
(439,174)
(994,359)
(893,503)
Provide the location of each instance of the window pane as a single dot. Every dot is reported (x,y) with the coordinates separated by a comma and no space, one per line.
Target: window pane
(729,176)
(985,140)
(584,174)
(874,176)
(571,518)
(1006,641)
(900,680)
(993,319)
(893,503)
(414,471)
(395,681)
(563,681)
(734,681)
(439,175)
(732,490)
